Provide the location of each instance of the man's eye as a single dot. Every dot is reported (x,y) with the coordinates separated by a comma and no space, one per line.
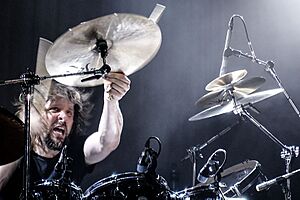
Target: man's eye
(54,109)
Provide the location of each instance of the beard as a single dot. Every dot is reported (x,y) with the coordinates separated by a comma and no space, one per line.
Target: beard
(53,145)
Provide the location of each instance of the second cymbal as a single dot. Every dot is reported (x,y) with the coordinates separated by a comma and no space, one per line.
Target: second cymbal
(226,80)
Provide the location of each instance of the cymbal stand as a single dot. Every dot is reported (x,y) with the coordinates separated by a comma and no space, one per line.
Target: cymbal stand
(29,80)
(269,67)
(192,151)
(288,152)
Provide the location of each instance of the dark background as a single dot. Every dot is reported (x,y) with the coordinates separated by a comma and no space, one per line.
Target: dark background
(163,93)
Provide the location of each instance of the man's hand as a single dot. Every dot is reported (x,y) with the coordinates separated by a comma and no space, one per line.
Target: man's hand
(116,86)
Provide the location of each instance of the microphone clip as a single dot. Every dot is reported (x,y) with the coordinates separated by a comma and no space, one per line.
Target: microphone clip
(98,73)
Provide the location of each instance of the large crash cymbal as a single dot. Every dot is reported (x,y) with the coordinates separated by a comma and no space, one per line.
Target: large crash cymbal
(132,41)
(226,80)
(12,137)
(214,111)
(230,106)
(239,89)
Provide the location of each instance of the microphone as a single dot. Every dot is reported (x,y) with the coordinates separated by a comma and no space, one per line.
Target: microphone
(278,180)
(227,42)
(143,162)
(144,159)
(147,162)
(213,165)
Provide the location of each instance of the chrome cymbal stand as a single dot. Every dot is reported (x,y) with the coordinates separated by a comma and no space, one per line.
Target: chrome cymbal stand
(29,80)
(269,67)
(288,152)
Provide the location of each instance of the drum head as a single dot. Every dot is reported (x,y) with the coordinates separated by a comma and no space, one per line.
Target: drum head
(129,186)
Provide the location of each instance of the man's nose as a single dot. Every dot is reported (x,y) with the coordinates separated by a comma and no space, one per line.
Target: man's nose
(62,116)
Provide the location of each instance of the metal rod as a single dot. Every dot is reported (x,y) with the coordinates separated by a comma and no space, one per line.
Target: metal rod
(27,90)
(194,168)
(37,78)
(224,131)
(262,128)
(269,67)
(286,188)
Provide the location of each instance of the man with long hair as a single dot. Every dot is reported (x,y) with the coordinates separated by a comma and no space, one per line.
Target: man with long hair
(57,121)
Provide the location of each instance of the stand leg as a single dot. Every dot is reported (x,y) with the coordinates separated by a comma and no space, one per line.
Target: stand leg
(287,155)
(194,168)
(26,170)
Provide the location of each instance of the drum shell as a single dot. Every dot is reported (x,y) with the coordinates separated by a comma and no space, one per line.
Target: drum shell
(129,186)
(241,179)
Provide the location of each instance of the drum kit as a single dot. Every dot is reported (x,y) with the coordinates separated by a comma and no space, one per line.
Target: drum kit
(128,42)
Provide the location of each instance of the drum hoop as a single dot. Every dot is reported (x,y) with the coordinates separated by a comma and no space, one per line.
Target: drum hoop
(55,183)
(113,179)
(191,190)
(56,188)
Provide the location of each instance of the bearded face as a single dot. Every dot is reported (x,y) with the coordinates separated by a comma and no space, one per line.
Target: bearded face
(56,137)
(59,116)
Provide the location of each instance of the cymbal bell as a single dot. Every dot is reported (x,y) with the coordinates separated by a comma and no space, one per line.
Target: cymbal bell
(226,80)
(239,89)
(12,137)
(229,106)
(132,41)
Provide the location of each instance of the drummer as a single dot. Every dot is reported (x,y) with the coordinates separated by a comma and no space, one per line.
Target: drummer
(57,121)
